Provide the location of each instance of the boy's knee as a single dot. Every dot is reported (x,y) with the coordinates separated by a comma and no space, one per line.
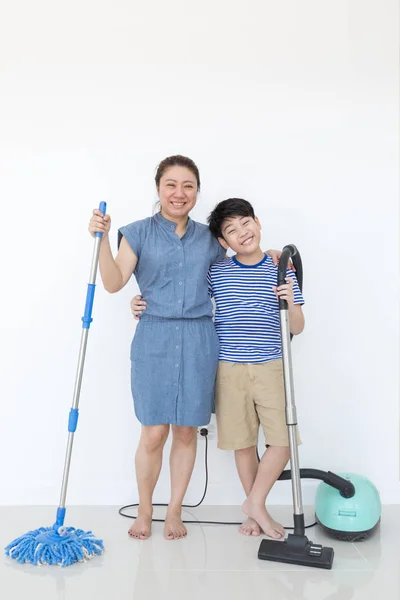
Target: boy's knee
(284,451)
(246,451)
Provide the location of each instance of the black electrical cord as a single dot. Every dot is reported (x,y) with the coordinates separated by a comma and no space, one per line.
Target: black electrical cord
(204,433)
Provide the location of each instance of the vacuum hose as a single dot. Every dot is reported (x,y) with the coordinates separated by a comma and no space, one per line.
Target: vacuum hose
(344,486)
(290,251)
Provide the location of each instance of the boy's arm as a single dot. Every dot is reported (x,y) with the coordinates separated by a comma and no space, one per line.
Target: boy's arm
(296,319)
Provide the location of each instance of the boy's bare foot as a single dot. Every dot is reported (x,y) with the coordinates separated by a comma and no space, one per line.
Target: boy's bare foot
(266,522)
(141,528)
(174,528)
(250,527)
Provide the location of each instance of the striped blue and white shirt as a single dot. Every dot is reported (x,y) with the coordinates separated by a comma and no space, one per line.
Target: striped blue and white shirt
(247,309)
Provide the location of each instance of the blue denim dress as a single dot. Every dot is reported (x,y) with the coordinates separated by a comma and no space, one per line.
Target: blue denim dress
(174,352)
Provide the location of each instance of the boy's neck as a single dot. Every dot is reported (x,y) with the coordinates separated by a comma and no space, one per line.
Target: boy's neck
(251,259)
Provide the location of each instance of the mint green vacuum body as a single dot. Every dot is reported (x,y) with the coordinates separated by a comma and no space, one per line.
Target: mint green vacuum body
(351,519)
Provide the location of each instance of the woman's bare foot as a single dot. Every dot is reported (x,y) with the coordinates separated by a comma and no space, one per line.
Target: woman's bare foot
(250,527)
(174,528)
(266,522)
(141,528)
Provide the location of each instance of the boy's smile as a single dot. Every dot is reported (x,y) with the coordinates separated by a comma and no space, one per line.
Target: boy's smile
(247,241)
(242,235)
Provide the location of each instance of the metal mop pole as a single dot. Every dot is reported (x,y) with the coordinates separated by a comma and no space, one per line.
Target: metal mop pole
(74,412)
(59,545)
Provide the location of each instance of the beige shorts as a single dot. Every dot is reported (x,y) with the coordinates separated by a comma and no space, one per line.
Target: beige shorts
(247,396)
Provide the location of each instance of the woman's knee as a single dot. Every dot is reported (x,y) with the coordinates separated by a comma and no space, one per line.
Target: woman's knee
(185,435)
(154,436)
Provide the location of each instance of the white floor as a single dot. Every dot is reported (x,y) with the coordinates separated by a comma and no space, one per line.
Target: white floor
(213,562)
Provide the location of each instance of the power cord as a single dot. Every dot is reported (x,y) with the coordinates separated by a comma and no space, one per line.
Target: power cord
(203,433)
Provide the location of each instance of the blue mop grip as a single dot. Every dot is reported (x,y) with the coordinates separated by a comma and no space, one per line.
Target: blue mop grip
(102,208)
(87,317)
(60,518)
(73,420)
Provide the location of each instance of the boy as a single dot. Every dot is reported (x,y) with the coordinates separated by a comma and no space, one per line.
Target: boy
(249,387)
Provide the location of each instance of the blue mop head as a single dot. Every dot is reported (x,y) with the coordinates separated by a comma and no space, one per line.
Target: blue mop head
(49,546)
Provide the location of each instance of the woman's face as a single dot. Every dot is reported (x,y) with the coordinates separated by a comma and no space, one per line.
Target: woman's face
(177,192)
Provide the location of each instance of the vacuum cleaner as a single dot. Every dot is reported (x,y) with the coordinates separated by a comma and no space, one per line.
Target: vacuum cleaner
(347,505)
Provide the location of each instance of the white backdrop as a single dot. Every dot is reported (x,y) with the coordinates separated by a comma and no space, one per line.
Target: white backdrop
(292,105)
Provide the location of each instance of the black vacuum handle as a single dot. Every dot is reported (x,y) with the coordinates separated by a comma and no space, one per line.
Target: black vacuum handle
(289,252)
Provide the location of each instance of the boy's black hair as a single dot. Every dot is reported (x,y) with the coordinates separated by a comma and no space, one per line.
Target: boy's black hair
(232,207)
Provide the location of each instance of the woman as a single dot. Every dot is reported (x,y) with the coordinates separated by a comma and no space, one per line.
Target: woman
(174,352)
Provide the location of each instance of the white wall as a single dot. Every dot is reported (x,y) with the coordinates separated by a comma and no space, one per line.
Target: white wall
(293,105)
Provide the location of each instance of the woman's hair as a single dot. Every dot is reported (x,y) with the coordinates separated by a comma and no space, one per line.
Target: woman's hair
(233,207)
(177,161)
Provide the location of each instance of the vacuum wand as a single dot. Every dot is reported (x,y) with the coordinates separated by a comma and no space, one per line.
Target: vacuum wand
(296,549)
(291,413)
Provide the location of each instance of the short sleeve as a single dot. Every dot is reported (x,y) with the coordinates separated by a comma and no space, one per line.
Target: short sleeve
(135,234)
(209,284)
(298,296)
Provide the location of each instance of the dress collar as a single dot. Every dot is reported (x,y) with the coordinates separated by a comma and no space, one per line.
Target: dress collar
(170,225)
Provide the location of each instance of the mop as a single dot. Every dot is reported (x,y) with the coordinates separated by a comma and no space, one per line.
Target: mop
(60,545)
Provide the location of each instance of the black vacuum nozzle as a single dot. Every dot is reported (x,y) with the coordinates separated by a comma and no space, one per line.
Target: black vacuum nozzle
(298,550)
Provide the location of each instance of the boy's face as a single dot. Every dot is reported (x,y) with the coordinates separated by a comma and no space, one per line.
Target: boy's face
(241,234)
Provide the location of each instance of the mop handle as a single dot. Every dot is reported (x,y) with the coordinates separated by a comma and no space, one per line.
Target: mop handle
(74,412)
(87,317)
(290,407)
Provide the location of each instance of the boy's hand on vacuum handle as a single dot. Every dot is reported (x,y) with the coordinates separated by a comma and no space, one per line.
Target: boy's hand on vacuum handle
(99,223)
(285,291)
(138,305)
(275,255)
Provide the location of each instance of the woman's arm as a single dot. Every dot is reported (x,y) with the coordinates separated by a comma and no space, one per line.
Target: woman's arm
(275,255)
(114,273)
